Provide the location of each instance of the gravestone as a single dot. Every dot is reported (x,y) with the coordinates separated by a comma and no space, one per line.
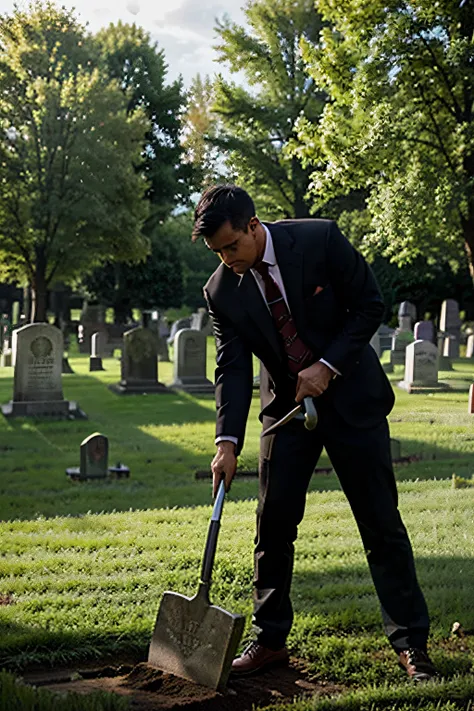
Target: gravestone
(94,461)
(385,335)
(6,358)
(450,324)
(177,326)
(97,349)
(450,346)
(95,456)
(400,341)
(470,406)
(139,364)
(375,343)
(37,386)
(92,321)
(190,362)
(470,346)
(425,331)
(421,368)
(201,321)
(406,316)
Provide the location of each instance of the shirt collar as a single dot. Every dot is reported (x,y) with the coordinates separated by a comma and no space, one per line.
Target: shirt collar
(269,253)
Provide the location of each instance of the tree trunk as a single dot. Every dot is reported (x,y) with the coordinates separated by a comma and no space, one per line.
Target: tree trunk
(39,292)
(300,186)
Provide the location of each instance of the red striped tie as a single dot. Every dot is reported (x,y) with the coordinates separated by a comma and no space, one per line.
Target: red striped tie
(299,355)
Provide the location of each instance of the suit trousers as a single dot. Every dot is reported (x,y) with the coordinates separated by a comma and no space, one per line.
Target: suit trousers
(362,461)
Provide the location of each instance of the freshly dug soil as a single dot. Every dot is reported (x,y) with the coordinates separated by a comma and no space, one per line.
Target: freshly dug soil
(151,690)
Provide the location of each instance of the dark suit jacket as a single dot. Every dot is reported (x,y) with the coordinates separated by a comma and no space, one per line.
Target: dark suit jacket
(337,324)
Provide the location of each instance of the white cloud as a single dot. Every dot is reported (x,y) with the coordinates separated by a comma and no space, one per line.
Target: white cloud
(184,29)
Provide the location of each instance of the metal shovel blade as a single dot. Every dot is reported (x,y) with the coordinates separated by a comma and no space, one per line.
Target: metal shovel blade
(195,640)
(192,638)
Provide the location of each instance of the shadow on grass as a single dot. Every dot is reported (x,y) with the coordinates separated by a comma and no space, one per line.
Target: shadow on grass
(166,438)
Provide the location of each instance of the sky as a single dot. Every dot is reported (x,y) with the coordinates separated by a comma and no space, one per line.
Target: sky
(184,29)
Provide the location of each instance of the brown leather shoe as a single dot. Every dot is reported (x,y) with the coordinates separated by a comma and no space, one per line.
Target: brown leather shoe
(417,664)
(257,658)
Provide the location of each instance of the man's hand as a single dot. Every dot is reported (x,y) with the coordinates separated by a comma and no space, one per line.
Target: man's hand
(313,381)
(225,462)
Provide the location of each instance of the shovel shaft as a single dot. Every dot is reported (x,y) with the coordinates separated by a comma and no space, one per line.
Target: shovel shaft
(212,535)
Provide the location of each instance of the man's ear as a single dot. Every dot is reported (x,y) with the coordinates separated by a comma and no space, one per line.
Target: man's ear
(254,222)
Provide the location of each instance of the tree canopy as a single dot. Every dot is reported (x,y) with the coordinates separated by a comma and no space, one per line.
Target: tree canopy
(256,124)
(399,123)
(71,196)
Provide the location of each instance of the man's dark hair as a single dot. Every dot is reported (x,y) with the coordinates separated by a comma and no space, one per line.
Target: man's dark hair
(219,204)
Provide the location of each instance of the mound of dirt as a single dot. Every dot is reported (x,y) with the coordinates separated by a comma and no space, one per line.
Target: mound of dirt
(151,690)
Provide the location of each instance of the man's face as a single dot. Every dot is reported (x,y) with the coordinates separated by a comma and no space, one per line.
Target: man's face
(238,249)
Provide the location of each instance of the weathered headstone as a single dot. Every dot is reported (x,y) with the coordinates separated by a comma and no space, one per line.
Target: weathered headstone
(37,386)
(470,407)
(425,331)
(406,316)
(385,335)
(97,349)
(190,362)
(450,324)
(400,341)
(421,368)
(94,461)
(95,456)
(470,346)
(450,346)
(177,326)
(139,364)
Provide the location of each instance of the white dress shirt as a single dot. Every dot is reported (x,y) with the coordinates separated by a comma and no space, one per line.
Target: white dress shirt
(269,258)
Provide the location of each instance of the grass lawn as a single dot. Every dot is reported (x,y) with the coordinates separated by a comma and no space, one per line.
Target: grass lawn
(83,565)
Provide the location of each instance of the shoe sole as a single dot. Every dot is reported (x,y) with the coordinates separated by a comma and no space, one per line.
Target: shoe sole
(264,667)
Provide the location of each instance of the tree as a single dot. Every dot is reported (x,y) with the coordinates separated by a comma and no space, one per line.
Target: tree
(157,282)
(258,124)
(135,61)
(200,129)
(71,197)
(399,124)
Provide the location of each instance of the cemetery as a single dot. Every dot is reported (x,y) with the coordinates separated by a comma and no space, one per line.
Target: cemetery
(350,126)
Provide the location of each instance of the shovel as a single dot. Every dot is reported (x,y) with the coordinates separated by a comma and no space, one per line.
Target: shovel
(192,638)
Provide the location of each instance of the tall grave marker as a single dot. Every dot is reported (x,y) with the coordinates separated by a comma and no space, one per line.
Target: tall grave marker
(190,362)
(37,385)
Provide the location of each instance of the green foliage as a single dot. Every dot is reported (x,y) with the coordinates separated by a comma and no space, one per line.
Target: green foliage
(135,62)
(257,124)
(71,197)
(399,124)
(200,128)
(198,262)
(155,282)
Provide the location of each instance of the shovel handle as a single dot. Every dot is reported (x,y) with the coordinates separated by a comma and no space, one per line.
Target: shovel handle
(310,415)
(212,534)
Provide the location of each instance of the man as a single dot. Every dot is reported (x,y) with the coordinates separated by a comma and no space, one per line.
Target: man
(297,295)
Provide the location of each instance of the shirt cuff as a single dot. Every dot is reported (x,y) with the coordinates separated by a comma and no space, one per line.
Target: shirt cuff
(228,438)
(334,370)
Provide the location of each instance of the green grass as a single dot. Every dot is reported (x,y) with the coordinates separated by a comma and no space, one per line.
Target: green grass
(15,696)
(83,566)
